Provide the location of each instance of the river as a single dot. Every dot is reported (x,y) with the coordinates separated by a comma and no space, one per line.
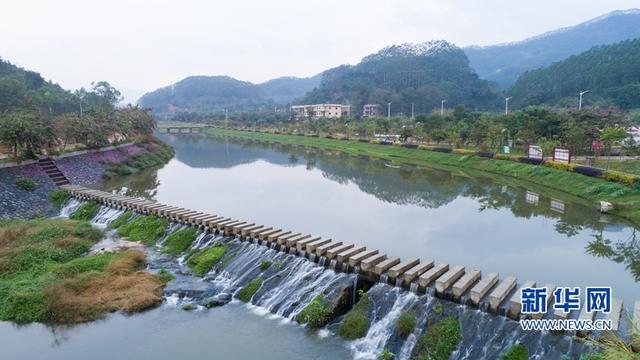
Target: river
(472,219)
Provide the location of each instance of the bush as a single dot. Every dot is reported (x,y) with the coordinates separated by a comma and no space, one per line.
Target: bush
(25,184)
(165,276)
(560,165)
(246,293)
(505,157)
(315,314)
(405,324)
(179,241)
(620,177)
(486,154)
(58,197)
(374,141)
(147,229)
(464,152)
(588,171)
(85,212)
(442,149)
(439,341)
(526,160)
(265,264)
(410,146)
(202,261)
(386,355)
(356,323)
(516,352)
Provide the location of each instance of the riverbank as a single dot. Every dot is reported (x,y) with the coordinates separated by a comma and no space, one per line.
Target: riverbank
(47,274)
(626,199)
(83,169)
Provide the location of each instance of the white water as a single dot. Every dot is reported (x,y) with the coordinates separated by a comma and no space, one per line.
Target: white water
(70,207)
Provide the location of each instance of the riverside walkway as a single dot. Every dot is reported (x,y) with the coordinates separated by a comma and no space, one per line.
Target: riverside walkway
(456,283)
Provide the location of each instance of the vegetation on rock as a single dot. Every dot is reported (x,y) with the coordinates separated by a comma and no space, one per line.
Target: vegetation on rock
(356,323)
(26,184)
(58,197)
(178,242)
(147,229)
(203,260)
(439,340)
(85,212)
(405,324)
(315,314)
(246,293)
(516,352)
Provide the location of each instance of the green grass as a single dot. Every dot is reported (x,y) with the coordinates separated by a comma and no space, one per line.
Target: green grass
(58,197)
(26,184)
(246,293)
(155,153)
(315,314)
(627,166)
(202,261)
(165,276)
(439,341)
(356,323)
(179,241)
(147,229)
(516,352)
(386,354)
(625,199)
(405,324)
(265,264)
(121,220)
(35,254)
(85,212)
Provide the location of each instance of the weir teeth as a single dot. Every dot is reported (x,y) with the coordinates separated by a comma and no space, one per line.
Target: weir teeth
(372,265)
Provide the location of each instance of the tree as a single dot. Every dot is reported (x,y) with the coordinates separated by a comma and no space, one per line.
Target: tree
(611,136)
(24,132)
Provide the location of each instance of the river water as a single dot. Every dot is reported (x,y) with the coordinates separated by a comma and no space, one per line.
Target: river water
(457,217)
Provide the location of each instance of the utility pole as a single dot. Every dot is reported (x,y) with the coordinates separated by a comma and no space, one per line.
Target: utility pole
(442,107)
(506,105)
(389,111)
(412,113)
(580,102)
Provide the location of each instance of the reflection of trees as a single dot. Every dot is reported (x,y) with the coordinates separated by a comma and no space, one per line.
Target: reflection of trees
(627,253)
(141,185)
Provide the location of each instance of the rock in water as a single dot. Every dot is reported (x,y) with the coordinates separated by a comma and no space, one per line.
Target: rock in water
(605,206)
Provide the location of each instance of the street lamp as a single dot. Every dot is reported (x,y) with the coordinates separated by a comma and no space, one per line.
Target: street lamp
(580,102)
(442,107)
(412,106)
(506,105)
(389,111)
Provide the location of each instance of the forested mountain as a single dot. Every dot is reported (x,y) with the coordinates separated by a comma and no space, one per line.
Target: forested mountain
(422,74)
(26,90)
(216,93)
(504,63)
(611,73)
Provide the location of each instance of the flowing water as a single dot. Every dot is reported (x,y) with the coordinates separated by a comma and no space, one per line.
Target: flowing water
(446,216)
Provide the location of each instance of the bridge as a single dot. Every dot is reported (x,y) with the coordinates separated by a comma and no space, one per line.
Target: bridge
(182,129)
(456,283)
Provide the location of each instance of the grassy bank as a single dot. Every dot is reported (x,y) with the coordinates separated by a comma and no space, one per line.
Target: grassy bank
(625,199)
(154,153)
(46,276)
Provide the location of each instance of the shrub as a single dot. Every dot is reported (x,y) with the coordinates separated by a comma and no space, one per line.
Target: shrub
(588,171)
(356,323)
(439,309)
(265,264)
(165,276)
(505,157)
(439,341)
(363,140)
(147,229)
(246,293)
(85,212)
(25,184)
(120,220)
(386,355)
(560,165)
(202,261)
(374,141)
(464,152)
(179,241)
(526,160)
(486,154)
(516,352)
(410,146)
(620,177)
(425,147)
(58,197)
(315,314)
(441,149)
(405,324)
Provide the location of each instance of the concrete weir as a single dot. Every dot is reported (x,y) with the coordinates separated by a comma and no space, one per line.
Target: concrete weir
(455,283)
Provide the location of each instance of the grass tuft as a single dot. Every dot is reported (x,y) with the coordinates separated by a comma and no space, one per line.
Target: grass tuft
(147,229)
(85,212)
(179,241)
(405,324)
(315,314)
(58,197)
(356,323)
(202,261)
(247,292)
(439,341)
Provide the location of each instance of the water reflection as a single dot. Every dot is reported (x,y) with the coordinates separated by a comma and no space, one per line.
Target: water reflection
(461,217)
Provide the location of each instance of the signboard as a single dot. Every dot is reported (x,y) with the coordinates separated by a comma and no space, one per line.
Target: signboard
(535,152)
(532,198)
(562,155)
(557,206)
(506,150)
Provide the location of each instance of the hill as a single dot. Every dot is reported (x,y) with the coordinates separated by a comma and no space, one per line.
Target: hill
(24,89)
(422,74)
(216,93)
(504,63)
(611,73)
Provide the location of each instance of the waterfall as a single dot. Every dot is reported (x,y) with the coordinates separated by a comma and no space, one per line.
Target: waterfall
(105,216)
(414,287)
(332,264)
(322,261)
(384,278)
(381,330)
(70,207)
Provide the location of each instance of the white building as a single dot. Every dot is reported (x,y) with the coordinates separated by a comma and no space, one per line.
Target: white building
(317,111)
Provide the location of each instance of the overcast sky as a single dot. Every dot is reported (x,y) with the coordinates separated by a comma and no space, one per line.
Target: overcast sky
(139,46)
